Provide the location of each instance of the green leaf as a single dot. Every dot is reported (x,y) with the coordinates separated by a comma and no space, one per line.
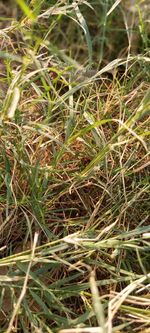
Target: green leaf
(26,10)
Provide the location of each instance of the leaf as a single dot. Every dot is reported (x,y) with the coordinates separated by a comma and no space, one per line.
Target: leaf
(86,31)
(27,11)
(89,117)
(14,103)
(40,303)
(99,311)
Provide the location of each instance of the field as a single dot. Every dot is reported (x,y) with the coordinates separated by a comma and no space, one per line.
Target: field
(74,166)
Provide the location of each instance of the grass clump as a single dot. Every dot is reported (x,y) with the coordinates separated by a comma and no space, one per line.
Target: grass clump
(74,167)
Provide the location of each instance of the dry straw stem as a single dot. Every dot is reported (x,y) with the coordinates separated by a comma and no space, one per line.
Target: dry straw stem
(116,302)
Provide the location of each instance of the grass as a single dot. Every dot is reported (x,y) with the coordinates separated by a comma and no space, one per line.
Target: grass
(74,167)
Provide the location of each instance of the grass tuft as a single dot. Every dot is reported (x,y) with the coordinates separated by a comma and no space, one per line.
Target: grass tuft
(74,166)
